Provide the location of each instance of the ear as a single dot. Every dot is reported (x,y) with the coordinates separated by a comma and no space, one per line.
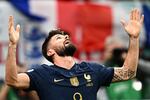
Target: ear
(50,52)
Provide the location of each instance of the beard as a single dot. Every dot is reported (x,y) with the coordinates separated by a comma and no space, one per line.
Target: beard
(68,50)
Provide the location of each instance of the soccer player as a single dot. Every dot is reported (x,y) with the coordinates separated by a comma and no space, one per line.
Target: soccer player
(66,79)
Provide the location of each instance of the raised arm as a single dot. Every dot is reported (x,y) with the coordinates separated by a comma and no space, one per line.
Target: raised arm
(4,92)
(11,76)
(132,27)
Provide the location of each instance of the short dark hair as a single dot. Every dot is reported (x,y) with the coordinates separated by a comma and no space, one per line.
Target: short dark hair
(45,44)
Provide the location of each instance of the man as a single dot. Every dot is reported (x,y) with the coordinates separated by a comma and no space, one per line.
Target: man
(67,80)
(8,93)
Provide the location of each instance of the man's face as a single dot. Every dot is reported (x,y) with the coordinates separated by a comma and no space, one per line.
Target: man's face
(62,45)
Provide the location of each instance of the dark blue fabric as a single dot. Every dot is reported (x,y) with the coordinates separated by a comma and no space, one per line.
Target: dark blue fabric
(146,11)
(89,76)
(23,7)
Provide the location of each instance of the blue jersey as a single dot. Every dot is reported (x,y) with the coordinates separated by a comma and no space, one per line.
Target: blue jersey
(81,82)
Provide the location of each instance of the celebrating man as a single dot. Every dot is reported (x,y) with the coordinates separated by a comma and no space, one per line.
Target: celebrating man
(66,79)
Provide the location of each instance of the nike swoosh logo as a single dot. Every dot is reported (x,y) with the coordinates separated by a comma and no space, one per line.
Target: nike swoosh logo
(31,70)
(58,80)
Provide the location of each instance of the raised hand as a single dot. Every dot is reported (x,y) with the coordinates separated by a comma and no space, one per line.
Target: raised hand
(133,26)
(13,33)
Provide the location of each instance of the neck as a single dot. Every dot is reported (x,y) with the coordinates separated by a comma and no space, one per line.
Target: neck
(66,62)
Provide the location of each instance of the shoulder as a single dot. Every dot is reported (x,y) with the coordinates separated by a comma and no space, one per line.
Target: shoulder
(40,68)
(41,72)
(92,65)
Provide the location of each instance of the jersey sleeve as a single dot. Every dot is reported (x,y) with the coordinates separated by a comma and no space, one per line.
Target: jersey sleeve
(105,74)
(33,78)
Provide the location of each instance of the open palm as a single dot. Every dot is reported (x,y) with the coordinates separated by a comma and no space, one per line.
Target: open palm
(13,33)
(133,26)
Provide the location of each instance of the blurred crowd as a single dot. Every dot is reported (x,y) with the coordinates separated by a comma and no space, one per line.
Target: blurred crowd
(135,89)
(113,56)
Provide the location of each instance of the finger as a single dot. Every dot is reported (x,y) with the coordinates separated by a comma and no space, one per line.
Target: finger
(11,22)
(142,19)
(131,15)
(123,22)
(18,28)
(139,14)
(134,14)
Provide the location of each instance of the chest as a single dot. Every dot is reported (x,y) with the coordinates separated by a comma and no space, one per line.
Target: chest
(57,86)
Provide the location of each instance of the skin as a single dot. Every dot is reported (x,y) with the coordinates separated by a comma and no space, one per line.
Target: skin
(32,95)
(129,68)
(127,71)
(4,92)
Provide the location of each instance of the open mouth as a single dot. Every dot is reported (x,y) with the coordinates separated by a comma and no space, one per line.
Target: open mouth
(66,42)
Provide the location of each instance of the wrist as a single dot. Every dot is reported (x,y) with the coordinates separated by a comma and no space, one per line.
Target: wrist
(135,38)
(12,45)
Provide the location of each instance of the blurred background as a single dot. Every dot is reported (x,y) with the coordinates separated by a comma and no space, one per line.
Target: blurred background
(94,27)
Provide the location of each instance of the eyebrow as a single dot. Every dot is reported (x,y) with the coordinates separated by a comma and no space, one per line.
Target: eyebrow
(60,35)
(56,36)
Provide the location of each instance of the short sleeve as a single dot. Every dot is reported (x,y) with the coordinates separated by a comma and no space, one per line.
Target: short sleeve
(105,74)
(33,77)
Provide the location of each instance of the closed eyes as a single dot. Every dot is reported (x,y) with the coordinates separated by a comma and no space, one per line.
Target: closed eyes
(58,37)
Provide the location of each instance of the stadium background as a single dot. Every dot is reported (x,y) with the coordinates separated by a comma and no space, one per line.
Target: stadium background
(90,22)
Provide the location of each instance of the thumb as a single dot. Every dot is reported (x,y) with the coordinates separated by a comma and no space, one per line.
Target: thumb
(123,22)
(142,19)
(18,28)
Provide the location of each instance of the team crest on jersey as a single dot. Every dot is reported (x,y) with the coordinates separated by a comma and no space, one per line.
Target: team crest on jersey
(74,81)
(87,77)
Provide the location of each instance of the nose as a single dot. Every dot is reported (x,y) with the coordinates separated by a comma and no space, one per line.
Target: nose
(66,37)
